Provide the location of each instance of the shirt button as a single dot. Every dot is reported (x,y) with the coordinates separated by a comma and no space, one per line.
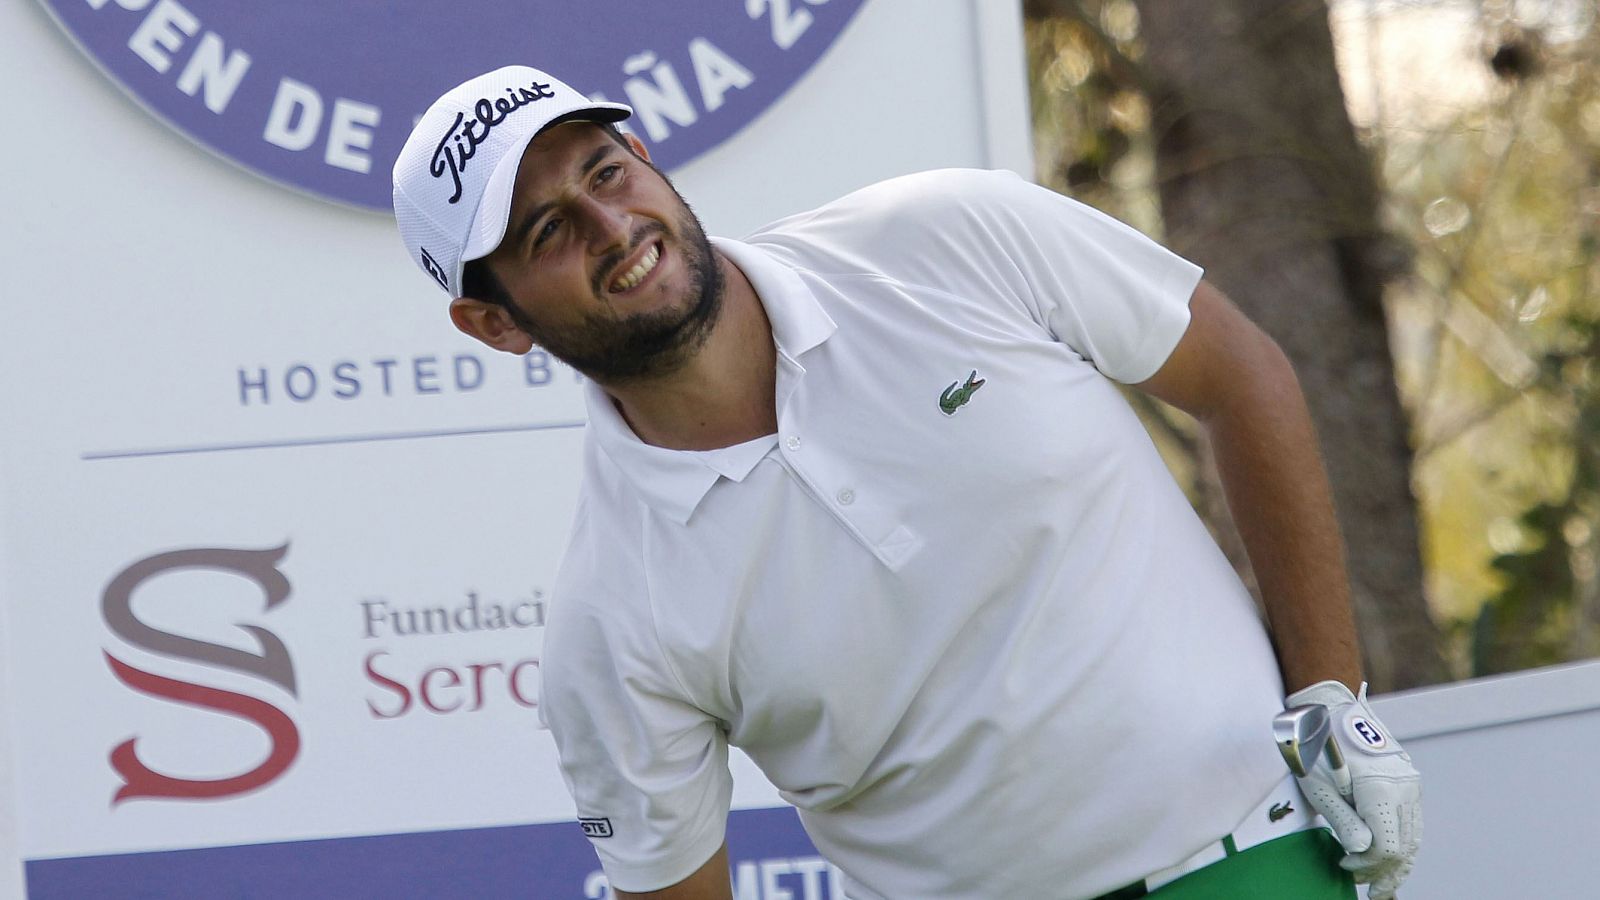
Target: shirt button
(793,443)
(846,497)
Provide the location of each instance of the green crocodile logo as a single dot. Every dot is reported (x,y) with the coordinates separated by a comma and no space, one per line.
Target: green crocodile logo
(1278,811)
(957,394)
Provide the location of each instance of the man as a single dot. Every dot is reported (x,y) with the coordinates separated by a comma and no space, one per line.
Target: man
(860,498)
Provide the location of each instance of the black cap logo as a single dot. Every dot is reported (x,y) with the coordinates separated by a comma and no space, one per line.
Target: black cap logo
(434,269)
(461,139)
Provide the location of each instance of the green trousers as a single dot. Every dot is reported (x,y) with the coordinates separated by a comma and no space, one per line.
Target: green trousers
(1300,866)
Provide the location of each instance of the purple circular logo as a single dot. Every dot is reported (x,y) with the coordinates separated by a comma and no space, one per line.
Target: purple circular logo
(320,95)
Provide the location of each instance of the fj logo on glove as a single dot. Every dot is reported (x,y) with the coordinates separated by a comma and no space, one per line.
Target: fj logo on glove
(1368,733)
(957,394)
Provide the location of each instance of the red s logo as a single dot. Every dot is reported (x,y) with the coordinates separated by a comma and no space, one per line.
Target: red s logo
(271,664)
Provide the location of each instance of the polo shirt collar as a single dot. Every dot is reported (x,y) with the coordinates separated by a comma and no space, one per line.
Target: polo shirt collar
(798,320)
(675,481)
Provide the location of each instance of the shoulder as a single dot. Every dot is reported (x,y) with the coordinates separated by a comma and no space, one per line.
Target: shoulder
(599,636)
(934,227)
(934,190)
(603,555)
(922,200)
(599,594)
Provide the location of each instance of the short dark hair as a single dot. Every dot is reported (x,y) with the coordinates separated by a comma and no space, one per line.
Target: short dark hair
(479,282)
(616,135)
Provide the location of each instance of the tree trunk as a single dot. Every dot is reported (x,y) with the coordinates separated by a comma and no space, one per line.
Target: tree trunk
(1262,182)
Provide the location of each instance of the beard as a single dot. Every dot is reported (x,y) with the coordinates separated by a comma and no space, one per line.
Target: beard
(611,348)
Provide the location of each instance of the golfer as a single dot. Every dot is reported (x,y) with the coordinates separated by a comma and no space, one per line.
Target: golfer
(861,497)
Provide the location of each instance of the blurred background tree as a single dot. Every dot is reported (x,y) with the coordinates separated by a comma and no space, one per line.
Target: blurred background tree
(1406,195)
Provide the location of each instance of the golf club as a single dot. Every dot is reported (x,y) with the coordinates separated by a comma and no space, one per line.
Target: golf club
(1304,732)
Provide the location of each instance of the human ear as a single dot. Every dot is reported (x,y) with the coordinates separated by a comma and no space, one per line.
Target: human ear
(636,145)
(490,323)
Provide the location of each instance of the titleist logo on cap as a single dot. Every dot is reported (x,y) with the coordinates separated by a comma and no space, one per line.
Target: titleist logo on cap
(461,140)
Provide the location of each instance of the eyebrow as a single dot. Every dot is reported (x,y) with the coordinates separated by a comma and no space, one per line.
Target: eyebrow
(534,215)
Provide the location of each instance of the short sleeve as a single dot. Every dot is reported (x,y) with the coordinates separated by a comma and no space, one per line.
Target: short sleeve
(1117,297)
(647,769)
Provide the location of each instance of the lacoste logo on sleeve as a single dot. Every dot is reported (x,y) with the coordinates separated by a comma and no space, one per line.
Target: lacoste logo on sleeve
(595,828)
(957,394)
(1278,811)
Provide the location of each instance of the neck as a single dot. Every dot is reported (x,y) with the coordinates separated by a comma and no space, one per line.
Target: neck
(724,394)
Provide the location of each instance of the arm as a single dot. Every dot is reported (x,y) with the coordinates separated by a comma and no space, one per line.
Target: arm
(1234,379)
(709,882)
(643,762)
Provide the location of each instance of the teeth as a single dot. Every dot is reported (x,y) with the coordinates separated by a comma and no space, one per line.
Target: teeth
(637,273)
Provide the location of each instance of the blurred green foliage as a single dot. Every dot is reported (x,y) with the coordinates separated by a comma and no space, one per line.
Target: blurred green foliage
(1483,122)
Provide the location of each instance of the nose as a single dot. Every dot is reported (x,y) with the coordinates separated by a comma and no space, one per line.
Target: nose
(610,229)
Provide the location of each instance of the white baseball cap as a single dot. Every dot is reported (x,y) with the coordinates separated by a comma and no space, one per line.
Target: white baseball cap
(453,180)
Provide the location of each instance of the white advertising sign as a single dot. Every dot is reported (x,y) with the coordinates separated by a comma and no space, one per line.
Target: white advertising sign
(275,540)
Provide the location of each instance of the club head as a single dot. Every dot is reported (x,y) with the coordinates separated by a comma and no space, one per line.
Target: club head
(1302,734)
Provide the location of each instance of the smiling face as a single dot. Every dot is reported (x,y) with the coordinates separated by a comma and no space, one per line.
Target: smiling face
(605,265)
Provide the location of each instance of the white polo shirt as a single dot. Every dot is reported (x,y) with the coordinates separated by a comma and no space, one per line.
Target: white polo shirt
(956,608)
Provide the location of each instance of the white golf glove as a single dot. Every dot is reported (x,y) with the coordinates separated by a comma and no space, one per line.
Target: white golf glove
(1381,825)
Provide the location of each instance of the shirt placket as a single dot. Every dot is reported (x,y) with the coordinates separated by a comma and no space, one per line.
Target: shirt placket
(868,515)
